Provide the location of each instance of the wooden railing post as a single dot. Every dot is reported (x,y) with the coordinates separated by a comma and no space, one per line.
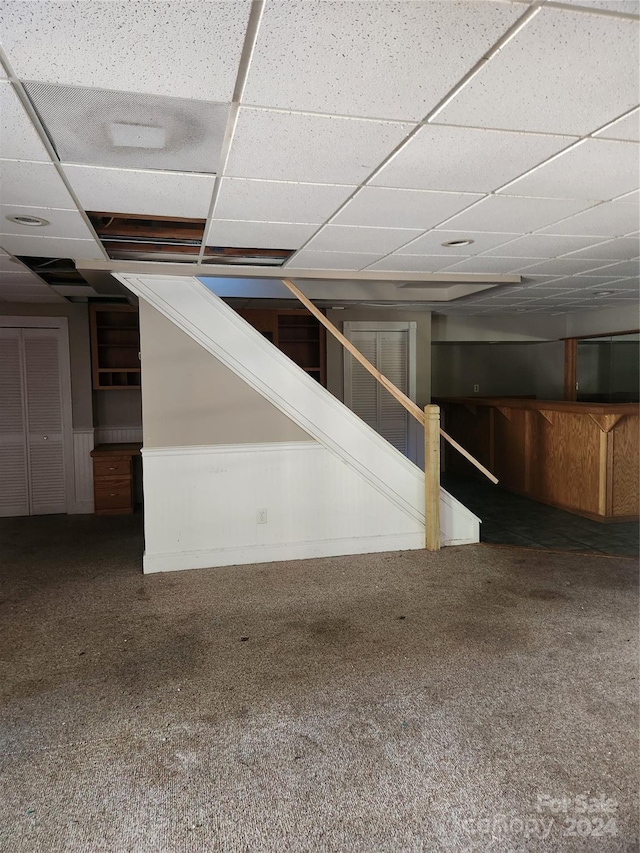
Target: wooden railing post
(432,477)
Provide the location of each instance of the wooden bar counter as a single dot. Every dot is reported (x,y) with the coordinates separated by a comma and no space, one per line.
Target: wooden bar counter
(580,457)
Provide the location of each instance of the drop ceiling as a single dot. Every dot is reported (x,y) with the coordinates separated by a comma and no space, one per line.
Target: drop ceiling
(362,136)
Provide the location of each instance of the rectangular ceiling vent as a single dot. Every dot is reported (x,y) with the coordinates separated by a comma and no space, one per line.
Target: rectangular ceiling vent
(131,131)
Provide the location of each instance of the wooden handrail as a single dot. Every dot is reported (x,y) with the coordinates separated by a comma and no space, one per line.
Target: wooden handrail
(395,392)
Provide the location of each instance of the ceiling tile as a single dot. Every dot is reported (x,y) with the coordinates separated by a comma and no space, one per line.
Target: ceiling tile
(563,266)
(62,223)
(626,6)
(562,46)
(293,147)
(11,264)
(177,49)
(259,235)
(369,58)
(392,208)
(348,238)
(515,214)
(627,128)
(466,159)
(581,282)
(414,263)
(19,139)
(331,260)
(622,249)
(595,169)
(276,201)
(34,185)
(44,295)
(431,243)
(139,192)
(540,246)
(15,280)
(485,264)
(51,247)
(81,124)
(612,219)
(623,269)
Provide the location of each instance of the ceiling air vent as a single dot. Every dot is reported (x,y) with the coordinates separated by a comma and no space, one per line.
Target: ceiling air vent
(130,130)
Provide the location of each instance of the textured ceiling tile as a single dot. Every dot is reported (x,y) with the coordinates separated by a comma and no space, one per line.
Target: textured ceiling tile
(595,169)
(275,201)
(623,269)
(347,238)
(290,147)
(414,263)
(431,243)
(10,264)
(485,264)
(558,47)
(563,266)
(613,219)
(34,185)
(51,247)
(62,223)
(19,139)
(518,215)
(466,159)
(384,60)
(392,208)
(627,6)
(259,235)
(625,128)
(23,280)
(541,246)
(622,249)
(138,192)
(332,260)
(177,49)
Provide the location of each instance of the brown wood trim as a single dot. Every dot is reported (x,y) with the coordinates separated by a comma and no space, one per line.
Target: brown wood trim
(546,405)
(601,335)
(570,368)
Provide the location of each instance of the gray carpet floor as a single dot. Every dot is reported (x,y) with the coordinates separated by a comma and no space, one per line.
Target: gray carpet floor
(476,699)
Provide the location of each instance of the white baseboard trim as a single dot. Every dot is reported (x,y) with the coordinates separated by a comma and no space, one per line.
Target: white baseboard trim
(177,561)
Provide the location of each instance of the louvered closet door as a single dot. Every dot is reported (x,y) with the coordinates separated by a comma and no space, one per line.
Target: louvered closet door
(14,477)
(389,352)
(45,432)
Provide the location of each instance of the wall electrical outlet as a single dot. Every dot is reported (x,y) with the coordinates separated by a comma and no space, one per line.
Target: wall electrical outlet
(261,516)
(476,388)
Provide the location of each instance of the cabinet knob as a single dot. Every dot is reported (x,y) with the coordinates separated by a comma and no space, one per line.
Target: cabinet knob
(45,437)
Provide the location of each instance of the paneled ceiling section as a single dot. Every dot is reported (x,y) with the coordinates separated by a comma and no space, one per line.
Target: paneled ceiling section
(355,136)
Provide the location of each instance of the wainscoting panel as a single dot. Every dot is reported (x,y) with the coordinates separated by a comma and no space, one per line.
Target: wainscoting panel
(82,471)
(204,507)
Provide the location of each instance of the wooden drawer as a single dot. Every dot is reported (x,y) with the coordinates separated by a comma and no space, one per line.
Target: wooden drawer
(111,467)
(113,493)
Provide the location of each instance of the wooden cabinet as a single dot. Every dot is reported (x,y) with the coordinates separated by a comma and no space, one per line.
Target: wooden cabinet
(113,478)
(297,333)
(115,346)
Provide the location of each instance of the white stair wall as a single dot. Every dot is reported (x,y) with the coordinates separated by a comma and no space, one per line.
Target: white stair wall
(348,491)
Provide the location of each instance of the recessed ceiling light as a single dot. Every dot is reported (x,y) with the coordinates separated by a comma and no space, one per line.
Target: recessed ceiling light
(31,221)
(453,244)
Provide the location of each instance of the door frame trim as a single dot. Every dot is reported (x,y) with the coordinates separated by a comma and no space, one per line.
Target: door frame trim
(62,325)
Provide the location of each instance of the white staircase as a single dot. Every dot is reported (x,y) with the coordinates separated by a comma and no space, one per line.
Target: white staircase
(369,497)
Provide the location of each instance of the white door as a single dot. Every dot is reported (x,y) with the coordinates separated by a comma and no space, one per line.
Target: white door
(391,349)
(32,423)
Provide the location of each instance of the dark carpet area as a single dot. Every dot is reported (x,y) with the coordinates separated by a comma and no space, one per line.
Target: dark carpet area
(477,699)
(509,519)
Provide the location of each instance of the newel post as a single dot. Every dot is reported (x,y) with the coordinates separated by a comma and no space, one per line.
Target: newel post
(432,477)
